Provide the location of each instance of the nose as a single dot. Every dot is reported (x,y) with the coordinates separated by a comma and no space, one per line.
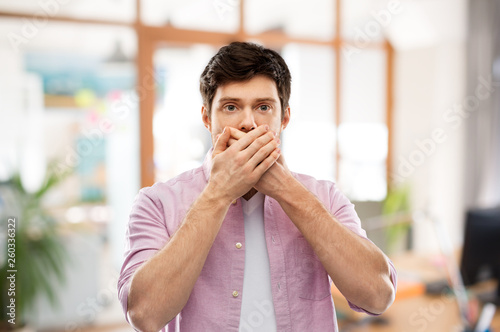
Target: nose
(247,121)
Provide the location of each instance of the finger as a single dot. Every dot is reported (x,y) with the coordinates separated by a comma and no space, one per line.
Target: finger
(221,144)
(268,162)
(236,134)
(262,153)
(259,144)
(251,136)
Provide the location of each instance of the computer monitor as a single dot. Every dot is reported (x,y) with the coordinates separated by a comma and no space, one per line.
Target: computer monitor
(481,250)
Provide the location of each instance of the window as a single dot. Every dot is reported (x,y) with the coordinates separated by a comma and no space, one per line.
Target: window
(336,51)
(340,87)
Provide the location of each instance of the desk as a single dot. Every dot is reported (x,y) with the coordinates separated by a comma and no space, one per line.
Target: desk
(417,313)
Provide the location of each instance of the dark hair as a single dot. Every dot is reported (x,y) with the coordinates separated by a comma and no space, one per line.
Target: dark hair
(238,62)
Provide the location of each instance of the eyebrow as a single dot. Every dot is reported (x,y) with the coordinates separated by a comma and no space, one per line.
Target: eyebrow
(258,100)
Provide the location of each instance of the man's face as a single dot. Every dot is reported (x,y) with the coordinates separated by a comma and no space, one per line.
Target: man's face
(245,106)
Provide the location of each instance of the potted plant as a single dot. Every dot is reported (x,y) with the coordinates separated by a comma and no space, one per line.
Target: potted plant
(397,202)
(35,254)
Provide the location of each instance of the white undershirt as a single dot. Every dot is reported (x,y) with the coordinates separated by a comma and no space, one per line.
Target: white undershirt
(257,309)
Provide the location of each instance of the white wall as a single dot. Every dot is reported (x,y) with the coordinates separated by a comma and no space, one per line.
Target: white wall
(11,111)
(429,149)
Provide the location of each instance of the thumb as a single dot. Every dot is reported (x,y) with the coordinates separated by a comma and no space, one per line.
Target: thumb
(221,143)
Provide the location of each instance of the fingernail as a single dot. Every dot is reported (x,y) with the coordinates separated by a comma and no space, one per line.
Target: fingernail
(279,141)
(224,130)
(267,127)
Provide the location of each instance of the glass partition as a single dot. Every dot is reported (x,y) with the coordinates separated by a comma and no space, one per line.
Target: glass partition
(364,21)
(363,133)
(309,140)
(180,138)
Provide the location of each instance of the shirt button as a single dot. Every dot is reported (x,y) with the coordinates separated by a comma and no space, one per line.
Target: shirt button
(238,245)
(235,294)
(234,202)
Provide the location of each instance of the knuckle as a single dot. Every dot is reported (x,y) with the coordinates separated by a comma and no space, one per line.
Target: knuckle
(246,168)
(260,131)
(262,152)
(263,140)
(254,178)
(265,163)
(269,148)
(239,160)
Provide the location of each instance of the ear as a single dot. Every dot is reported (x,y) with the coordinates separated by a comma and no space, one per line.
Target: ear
(206,118)
(286,118)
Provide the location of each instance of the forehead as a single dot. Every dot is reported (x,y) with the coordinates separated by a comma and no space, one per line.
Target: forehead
(257,87)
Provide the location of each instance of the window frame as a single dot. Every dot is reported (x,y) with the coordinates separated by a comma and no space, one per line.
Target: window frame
(149,38)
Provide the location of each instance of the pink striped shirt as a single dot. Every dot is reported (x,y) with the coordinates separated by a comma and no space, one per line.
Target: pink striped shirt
(300,285)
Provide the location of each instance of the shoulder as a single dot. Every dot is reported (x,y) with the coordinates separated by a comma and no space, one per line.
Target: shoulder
(182,185)
(329,194)
(321,188)
(166,203)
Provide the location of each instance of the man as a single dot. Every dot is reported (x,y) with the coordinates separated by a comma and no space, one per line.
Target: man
(241,243)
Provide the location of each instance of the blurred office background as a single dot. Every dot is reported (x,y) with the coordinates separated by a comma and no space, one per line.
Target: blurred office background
(395,100)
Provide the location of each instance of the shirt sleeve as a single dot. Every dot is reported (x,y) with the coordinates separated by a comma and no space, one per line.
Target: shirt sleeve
(345,213)
(146,235)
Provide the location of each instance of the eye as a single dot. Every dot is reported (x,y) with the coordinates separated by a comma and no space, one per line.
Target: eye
(264,108)
(230,108)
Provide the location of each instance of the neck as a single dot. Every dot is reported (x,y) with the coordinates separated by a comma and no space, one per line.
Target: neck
(250,194)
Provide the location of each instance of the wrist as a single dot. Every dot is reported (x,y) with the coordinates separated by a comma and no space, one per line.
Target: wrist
(216,196)
(291,190)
